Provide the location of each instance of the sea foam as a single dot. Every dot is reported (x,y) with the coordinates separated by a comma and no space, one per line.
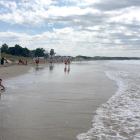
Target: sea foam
(119,118)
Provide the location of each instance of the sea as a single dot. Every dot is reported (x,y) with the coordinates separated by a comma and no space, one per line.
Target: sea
(119,117)
(89,100)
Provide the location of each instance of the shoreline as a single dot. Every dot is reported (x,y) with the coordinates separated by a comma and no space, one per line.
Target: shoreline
(14,70)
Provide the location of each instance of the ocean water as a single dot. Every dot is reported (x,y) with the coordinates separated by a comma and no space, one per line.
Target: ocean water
(119,117)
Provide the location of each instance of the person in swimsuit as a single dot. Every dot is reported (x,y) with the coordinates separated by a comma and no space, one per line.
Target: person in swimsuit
(20,61)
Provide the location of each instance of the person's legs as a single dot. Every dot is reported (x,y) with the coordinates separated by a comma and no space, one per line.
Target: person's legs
(1,84)
(19,62)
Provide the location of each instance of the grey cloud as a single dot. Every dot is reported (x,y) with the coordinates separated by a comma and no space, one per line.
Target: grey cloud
(108,5)
(123,36)
(87,20)
(134,26)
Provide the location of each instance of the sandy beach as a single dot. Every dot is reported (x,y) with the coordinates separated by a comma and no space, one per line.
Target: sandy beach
(50,103)
(13,71)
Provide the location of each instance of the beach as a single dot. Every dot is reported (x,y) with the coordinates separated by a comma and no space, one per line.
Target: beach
(13,71)
(52,102)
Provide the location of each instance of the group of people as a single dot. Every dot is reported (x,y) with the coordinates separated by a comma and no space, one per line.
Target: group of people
(35,61)
(4,61)
(67,61)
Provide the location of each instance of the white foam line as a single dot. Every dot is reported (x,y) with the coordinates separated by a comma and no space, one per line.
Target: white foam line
(119,118)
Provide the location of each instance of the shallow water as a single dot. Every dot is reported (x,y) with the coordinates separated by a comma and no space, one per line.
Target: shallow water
(119,118)
(53,102)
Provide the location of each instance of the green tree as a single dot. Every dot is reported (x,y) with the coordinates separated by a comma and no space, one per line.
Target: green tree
(51,52)
(39,52)
(18,50)
(4,48)
(25,52)
(11,50)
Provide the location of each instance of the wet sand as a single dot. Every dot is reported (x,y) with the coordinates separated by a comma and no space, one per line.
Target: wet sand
(58,107)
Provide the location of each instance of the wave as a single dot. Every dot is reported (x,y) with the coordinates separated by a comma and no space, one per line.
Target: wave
(119,118)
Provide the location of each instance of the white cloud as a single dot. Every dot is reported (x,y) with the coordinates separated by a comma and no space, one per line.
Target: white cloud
(93,26)
(68,40)
(8,4)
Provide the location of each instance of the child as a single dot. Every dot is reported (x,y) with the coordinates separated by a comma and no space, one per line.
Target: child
(1,84)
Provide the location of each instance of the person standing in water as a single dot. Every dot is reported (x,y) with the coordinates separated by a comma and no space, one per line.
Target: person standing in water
(37,60)
(34,60)
(68,61)
(65,62)
(51,61)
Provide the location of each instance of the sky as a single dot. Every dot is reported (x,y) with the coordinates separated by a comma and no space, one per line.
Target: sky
(73,27)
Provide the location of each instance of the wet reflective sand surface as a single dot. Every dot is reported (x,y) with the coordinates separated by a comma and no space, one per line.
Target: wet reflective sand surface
(53,102)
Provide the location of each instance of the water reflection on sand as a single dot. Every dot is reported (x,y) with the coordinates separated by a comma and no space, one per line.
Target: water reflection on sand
(53,102)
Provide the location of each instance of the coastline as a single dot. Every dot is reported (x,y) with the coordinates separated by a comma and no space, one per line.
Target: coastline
(13,70)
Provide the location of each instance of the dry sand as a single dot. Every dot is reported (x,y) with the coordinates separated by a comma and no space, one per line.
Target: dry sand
(12,71)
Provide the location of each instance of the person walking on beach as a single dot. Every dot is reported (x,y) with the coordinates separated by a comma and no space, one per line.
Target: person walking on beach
(34,60)
(51,61)
(37,60)
(65,62)
(68,61)
(1,84)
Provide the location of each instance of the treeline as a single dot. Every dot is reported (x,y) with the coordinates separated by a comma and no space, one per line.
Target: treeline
(114,58)
(19,51)
(107,58)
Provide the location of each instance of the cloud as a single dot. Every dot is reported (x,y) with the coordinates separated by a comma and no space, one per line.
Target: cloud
(111,5)
(68,39)
(9,5)
(87,26)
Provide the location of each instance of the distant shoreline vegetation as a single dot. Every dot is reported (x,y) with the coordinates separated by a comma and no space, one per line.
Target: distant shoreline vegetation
(107,58)
(17,50)
(81,58)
